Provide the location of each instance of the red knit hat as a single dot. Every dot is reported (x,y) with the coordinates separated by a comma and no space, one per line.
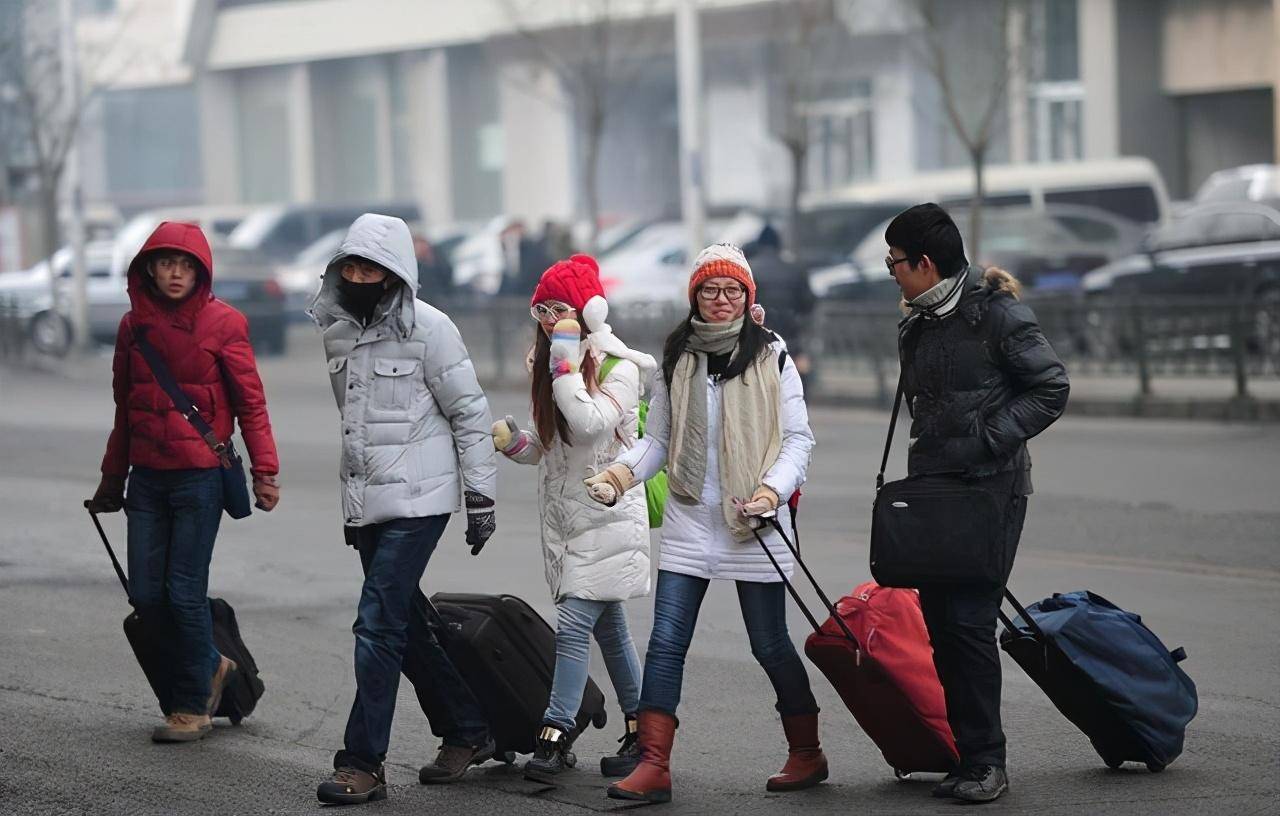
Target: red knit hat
(575,281)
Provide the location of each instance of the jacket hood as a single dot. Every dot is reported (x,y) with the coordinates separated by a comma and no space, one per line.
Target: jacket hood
(183,237)
(998,280)
(386,241)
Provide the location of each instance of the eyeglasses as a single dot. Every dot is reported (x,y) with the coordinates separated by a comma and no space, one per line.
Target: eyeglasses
(891,262)
(176,264)
(731,293)
(549,311)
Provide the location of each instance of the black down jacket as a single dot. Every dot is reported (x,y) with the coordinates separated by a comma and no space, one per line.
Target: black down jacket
(979,382)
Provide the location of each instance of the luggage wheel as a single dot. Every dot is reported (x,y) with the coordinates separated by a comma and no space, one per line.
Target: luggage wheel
(1155,767)
(901,774)
(235,719)
(506,757)
(600,719)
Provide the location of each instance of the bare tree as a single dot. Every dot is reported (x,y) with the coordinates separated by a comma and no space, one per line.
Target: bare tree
(593,73)
(800,47)
(973,54)
(41,122)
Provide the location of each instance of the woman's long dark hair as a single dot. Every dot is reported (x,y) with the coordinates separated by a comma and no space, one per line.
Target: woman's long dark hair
(752,341)
(547,419)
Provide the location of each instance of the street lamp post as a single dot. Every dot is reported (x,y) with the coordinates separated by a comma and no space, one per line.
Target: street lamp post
(71,181)
(689,91)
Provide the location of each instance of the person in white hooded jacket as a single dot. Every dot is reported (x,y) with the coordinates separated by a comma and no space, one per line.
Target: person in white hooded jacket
(727,419)
(586,386)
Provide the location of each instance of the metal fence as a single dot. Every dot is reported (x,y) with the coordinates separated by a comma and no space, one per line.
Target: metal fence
(853,345)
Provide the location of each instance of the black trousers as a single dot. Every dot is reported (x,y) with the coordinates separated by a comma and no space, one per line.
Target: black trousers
(962,628)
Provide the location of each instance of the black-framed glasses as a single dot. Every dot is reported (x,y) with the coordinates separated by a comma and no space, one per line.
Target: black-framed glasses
(890,262)
(733,294)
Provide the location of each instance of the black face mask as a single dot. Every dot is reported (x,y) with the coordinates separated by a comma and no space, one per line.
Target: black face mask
(360,299)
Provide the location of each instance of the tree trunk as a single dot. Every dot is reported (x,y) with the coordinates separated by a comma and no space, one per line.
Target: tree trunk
(979,157)
(51,231)
(799,153)
(591,175)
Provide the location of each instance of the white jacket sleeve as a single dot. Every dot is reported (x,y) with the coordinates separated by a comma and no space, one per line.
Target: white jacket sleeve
(649,454)
(594,414)
(788,473)
(452,380)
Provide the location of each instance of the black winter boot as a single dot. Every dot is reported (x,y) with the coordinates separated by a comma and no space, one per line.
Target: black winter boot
(628,756)
(552,755)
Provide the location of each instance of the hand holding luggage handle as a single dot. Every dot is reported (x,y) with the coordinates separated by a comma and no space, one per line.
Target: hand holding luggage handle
(772,518)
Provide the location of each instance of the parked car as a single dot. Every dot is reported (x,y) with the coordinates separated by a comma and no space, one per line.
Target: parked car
(1215,250)
(216,221)
(1048,249)
(46,309)
(279,232)
(1258,183)
(652,266)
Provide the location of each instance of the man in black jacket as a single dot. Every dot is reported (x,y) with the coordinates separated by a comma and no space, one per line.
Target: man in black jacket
(980,379)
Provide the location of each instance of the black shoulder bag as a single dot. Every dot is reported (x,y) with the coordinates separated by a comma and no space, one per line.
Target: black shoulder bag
(235,490)
(935,529)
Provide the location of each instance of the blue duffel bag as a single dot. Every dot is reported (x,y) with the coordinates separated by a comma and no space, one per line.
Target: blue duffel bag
(1107,673)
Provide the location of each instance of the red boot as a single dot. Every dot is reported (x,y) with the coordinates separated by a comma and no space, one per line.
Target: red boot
(806,764)
(651,780)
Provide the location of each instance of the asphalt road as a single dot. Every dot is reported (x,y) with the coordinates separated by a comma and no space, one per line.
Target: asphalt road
(1177,521)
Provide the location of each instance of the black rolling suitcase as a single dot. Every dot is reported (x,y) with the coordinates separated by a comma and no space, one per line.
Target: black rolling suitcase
(150,630)
(506,652)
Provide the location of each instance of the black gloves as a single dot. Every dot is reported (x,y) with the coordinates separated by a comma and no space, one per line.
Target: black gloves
(110,495)
(481,520)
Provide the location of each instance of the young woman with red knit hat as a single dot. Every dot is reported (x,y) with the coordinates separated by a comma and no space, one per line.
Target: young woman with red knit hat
(728,420)
(586,386)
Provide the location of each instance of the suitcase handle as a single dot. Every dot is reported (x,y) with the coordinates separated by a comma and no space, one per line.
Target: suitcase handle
(1022,613)
(773,521)
(124,582)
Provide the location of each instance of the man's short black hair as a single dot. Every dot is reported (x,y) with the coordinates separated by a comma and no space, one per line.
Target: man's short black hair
(927,229)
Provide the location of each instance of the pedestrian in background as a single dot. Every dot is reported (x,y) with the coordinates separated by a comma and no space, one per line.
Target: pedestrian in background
(728,419)
(980,379)
(415,448)
(174,500)
(586,387)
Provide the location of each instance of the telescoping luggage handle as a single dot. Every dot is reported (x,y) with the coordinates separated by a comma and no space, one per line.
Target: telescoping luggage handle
(772,519)
(1022,613)
(124,582)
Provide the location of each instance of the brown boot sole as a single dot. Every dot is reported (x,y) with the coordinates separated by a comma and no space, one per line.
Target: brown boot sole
(654,796)
(164,736)
(799,784)
(336,798)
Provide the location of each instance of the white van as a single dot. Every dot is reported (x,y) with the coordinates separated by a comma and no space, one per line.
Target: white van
(1130,187)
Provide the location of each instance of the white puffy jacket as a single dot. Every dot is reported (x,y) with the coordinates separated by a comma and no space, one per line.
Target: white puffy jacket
(591,551)
(695,538)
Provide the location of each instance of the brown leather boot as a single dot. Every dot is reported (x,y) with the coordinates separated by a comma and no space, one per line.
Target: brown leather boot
(806,765)
(651,780)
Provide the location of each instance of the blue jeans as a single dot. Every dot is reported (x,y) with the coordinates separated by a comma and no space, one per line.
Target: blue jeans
(675,612)
(173,518)
(576,619)
(393,634)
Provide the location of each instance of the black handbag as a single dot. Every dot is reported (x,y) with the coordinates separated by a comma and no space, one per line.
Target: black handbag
(936,529)
(235,489)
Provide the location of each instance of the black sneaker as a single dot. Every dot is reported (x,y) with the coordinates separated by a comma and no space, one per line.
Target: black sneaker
(552,754)
(947,787)
(352,786)
(628,756)
(982,783)
(453,761)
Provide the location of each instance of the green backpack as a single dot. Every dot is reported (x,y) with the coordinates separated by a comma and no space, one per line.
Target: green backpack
(655,489)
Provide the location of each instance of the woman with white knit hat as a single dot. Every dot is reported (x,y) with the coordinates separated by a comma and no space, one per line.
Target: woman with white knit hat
(728,420)
(586,388)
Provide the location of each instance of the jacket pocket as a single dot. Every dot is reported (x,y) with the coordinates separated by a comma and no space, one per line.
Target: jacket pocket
(392,385)
(338,378)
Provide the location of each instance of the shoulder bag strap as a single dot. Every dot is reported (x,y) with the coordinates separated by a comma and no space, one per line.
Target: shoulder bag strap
(164,378)
(893,423)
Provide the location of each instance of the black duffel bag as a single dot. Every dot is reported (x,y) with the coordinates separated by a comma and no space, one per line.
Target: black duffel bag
(936,529)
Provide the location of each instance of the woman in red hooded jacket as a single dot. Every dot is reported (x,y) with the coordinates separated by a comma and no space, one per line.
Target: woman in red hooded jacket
(174,501)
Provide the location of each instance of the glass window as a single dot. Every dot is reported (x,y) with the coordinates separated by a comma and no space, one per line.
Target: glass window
(1137,203)
(841,129)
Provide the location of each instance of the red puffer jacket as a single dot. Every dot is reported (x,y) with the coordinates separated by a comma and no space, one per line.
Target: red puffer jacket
(206,344)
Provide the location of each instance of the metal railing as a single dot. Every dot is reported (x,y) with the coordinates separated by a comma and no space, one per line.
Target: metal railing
(1232,340)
